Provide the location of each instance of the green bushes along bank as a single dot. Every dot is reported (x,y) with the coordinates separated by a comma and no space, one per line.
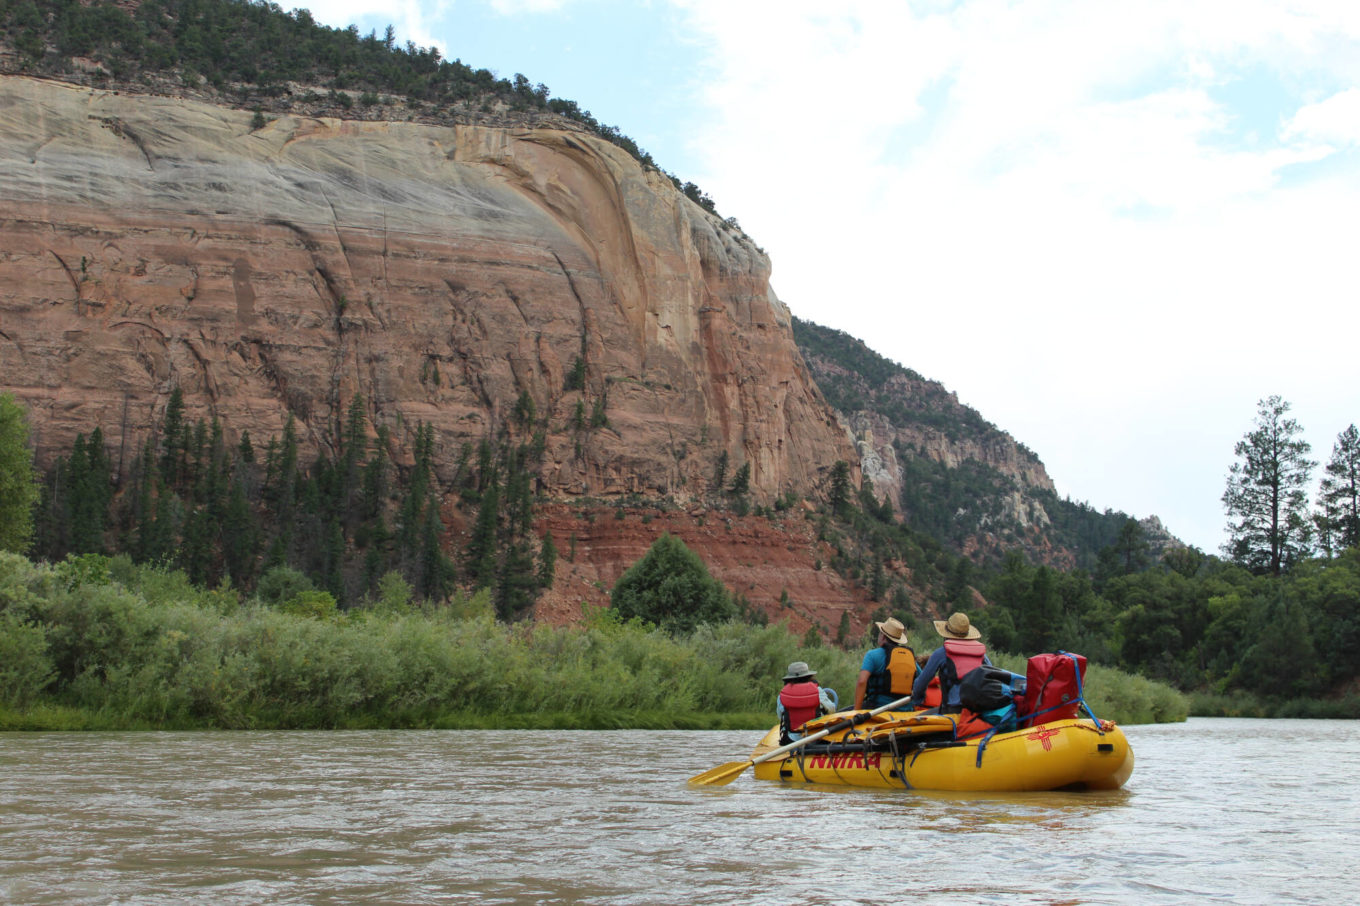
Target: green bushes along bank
(99,643)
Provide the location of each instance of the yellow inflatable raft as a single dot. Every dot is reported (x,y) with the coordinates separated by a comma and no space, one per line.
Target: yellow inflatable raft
(916,750)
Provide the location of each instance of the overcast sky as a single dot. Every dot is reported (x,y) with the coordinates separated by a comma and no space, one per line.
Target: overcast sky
(1111,228)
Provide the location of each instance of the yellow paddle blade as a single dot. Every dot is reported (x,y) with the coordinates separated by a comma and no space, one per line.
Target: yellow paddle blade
(722,775)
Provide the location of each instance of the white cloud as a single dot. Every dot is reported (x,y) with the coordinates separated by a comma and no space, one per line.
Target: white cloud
(1043,205)
(1333,122)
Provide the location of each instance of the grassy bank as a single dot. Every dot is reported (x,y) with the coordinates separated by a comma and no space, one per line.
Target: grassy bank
(100,644)
(1245,705)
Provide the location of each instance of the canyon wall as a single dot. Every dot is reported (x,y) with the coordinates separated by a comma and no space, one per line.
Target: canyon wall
(445,274)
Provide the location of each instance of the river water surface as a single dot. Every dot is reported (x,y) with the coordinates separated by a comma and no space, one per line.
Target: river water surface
(1238,811)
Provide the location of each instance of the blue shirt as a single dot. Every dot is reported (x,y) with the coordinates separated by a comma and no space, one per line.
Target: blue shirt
(933,666)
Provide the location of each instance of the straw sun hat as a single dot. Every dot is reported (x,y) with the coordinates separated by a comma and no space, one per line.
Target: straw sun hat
(894,630)
(957,627)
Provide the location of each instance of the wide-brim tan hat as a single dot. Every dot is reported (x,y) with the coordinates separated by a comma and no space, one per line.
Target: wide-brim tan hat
(893,629)
(799,670)
(957,627)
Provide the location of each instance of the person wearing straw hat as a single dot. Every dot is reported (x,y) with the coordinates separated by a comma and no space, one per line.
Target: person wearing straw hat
(886,673)
(801,700)
(961,652)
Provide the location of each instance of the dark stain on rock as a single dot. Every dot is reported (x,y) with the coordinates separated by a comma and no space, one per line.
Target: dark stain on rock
(245,293)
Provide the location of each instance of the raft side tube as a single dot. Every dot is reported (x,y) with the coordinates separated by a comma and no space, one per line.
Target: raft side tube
(1068,754)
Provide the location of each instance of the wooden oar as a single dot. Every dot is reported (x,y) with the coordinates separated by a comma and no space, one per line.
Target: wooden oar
(724,774)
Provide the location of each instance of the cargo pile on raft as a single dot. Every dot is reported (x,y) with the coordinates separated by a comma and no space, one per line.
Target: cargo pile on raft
(1032,732)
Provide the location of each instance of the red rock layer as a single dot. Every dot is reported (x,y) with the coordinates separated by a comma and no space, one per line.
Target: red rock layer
(777,565)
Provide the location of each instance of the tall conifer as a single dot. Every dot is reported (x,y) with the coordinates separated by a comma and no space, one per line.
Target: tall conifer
(1339,494)
(1265,499)
(19,488)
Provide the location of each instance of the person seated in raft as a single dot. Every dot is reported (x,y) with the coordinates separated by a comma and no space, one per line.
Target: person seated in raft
(886,673)
(961,652)
(801,700)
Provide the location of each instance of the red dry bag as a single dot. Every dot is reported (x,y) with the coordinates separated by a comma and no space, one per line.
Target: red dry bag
(1052,681)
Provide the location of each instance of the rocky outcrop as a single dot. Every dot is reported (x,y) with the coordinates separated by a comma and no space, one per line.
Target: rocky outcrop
(443,273)
(778,566)
(877,440)
(942,466)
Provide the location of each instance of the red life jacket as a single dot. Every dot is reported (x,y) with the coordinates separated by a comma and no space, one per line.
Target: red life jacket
(800,701)
(965,653)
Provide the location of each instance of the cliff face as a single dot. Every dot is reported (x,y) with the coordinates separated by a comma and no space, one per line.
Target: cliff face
(877,439)
(939,463)
(440,272)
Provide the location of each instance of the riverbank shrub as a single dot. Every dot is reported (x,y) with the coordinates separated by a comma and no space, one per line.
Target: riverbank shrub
(99,643)
(1243,704)
(672,588)
(25,668)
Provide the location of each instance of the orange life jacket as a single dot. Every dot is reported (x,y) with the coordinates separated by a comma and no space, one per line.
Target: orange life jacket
(970,725)
(901,671)
(897,677)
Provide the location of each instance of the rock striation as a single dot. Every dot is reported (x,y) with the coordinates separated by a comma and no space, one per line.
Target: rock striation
(443,273)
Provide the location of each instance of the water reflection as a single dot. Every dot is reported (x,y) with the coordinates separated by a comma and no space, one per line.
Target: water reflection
(1211,813)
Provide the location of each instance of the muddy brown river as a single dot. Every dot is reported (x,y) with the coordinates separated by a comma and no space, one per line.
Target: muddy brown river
(1218,810)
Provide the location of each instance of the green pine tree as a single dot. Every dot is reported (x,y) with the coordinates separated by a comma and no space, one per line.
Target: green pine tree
(1339,494)
(547,561)
(672,588)
(239,537)
(516,583)
(482,547)
(19,488)
(174,438)
(1269,528)
(839,497)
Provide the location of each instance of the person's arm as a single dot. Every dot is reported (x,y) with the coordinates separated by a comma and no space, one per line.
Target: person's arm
(860,685)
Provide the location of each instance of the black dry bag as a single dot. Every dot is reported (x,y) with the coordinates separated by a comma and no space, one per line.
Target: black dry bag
(985,689)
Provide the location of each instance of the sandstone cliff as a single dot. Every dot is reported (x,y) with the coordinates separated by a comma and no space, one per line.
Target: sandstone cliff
(441,272)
